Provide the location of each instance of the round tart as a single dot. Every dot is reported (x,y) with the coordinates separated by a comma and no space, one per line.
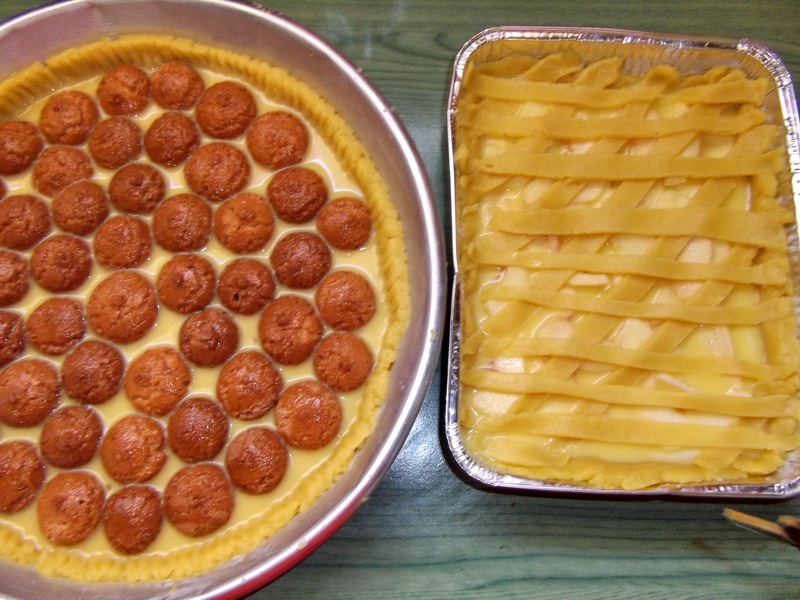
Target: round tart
(155,158)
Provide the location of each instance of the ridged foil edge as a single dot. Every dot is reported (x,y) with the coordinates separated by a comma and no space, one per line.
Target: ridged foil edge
(745,53)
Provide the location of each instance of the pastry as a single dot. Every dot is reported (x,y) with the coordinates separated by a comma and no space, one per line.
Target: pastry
(626,304)
(188,319)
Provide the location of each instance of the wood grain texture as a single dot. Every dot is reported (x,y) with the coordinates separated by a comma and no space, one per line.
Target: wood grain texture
(424,533)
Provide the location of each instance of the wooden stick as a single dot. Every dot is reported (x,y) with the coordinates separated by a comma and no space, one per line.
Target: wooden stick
(759,525)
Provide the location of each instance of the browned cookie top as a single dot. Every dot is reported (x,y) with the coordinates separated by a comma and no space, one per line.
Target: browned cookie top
(21,475)
(124,90)
(132,518)
(122,308)
(199,499)
(277,139)
(24,221)
(58,166)
(157,380)
(68,117)
(61,263)
(92,372)
(225,110)
(71,436)
(133,449)
(249,385)
(209,337)
(70,507)
(257,460)
(176,85)
(56,325)
(14,278)
(186,283)
(81,207)
(20,144)
(289,329)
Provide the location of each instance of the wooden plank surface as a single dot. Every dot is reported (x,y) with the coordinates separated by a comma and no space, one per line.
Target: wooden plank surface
(424,533)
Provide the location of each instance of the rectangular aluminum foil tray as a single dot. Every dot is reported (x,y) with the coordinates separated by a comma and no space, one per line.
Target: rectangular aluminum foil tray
(640,51)
(246,28)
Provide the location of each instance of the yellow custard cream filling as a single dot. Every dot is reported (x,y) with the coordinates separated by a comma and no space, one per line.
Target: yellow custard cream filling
(626,300)
(336,154)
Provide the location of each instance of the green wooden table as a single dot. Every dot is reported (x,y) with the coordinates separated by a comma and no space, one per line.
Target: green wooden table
(424,533)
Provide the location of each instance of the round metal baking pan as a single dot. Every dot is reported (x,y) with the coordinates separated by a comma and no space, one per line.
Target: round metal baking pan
(38,34)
